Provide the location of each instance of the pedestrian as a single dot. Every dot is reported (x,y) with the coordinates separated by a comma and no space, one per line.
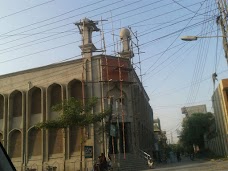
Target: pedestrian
(178,156)
(191,154)
(96,166)
(103,163)
(109,162)
(150,163)
(171,156)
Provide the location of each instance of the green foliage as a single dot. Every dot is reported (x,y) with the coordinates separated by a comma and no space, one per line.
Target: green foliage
(74,113)
(194,128)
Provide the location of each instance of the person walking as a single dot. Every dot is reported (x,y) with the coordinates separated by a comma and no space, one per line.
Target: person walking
(103,163)
(178,156)
(171,156)
(109,162)
(150,163)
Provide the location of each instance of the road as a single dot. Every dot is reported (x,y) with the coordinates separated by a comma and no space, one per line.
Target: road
(198,165)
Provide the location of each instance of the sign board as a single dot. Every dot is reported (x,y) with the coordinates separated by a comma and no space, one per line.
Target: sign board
(88,150)
(5,162)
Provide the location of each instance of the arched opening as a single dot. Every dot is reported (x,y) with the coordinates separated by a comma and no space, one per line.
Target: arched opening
(123,130)
(74,135)
(55,141)
(15,142)
(16,100)
(1,138)
(75,89)
(35,142)
(55,94)
(55,137)
(35,99)
(1,107)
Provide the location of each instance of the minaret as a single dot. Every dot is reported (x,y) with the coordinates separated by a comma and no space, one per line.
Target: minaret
(86,27)
(125,37)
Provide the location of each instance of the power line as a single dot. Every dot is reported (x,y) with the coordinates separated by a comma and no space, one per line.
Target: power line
(26,9)
(173,40)
(183,6)
(52,17)
(90,16)
(177,89)
(199,67)
(37,52)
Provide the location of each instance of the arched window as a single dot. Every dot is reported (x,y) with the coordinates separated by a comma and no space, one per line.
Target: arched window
(1,138)
(1,106)
(74,139)
(35,142)
(15,144)
(55,94)
(36,101)
(75,89)
(55,141)
(17,104)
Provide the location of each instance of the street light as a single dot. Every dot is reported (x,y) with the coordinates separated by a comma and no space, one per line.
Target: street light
(193,38)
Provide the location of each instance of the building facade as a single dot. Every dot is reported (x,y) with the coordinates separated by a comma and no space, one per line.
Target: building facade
(26,98)
(160,142)
(193,109)
(219,142)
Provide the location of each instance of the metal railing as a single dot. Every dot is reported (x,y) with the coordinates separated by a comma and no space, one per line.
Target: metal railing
(144,154)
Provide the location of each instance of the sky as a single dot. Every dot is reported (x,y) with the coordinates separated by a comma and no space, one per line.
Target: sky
(174,73)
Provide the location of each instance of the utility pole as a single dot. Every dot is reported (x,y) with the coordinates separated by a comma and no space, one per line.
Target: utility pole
(171,137)
(222,21)
(110,122)
(118,133)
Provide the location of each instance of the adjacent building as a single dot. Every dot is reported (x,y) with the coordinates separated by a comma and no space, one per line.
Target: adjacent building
(26,98)
(194,109)
(218,135)
(160,141)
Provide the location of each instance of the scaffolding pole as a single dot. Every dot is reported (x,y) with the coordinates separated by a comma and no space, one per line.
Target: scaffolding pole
(121,105)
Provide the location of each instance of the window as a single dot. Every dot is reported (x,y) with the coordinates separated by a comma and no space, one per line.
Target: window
(34,139)
(55,141)
(36,101)
(1,106)
(75,89)
(15,144)
(17,104)
(1,138)
(56,97)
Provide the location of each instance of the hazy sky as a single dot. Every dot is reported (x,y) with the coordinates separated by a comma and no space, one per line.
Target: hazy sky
(174,73)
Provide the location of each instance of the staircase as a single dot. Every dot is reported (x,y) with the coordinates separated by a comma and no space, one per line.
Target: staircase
(132,162)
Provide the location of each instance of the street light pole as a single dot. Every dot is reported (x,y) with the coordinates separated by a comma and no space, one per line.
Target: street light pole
(222,20)
(225,43)
(193,38)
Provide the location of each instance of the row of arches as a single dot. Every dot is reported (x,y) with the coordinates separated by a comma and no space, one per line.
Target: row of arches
(34,103)
(35,96)
(35,142)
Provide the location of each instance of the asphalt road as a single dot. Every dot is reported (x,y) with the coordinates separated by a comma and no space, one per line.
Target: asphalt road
(200,165)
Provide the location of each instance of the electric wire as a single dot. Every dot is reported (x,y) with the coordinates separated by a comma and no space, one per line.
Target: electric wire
(90,16)
(26,9)
(158,59)
(199,68)
(53,17)
(38,52)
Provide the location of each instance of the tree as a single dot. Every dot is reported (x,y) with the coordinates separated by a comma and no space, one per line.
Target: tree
(194,128)
(74,113)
